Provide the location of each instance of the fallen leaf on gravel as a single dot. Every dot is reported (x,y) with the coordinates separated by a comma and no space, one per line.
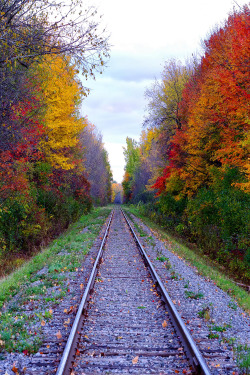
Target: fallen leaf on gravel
(135,360)
(77,352)
(164,324)
(70,309)
(43,323)
(177,371)
(14,369)
(59,335)
(65,310)
(67,321)
(50,311)
(81,286)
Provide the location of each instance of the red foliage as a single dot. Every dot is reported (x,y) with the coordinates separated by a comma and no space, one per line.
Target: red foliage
(214,109)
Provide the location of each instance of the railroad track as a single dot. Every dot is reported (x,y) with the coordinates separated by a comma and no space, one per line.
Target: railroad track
(126,322)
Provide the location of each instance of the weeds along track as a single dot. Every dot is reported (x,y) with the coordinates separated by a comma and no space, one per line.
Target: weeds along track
(126,323)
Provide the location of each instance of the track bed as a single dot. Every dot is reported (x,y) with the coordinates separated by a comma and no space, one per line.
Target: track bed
(127,329)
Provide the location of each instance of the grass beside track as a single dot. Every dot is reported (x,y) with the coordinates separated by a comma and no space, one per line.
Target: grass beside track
(64,255)
(204,266)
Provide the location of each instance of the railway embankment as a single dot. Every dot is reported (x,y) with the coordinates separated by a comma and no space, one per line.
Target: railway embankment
(39,302)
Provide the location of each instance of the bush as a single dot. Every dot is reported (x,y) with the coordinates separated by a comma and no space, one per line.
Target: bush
(219,216)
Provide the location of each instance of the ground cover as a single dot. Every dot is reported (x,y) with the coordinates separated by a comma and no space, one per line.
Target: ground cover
(41,283)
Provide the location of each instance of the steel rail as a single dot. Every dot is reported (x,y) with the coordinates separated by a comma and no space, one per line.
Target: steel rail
(71,345)
(196,359)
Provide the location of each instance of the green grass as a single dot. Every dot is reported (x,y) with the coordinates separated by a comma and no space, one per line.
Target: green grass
(204,266)
(65,254)
(242,353)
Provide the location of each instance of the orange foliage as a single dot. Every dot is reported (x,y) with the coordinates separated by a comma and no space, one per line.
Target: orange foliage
(214,111)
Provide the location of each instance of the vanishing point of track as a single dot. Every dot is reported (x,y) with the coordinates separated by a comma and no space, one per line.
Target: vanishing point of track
(126,322)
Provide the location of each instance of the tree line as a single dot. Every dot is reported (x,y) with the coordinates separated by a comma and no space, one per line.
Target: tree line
(47,170)
(190,170)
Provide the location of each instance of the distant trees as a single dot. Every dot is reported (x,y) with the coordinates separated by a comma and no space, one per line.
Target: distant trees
(97,165)
(195,146)
(117,193)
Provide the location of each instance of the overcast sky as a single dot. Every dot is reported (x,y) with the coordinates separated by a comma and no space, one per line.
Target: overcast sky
(144,34)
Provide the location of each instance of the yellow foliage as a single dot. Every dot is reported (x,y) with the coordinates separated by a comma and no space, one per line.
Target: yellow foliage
(62,93)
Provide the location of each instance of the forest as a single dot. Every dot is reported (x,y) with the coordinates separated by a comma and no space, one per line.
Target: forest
(47,149)
(190,170)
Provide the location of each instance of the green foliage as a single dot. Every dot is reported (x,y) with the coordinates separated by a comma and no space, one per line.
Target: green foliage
(242,353)
(193,295)
(171,208)
(213,335)
(132,159)
(218,218)
(162,259)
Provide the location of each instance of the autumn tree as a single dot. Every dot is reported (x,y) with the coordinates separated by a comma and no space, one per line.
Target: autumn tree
(164,98)
(43,182)
(203,189)
(132,162)
(62,93)
(31,30)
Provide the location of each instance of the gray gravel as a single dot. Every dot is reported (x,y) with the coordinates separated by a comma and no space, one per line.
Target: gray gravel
(220,310)
(127,329)
(57,328)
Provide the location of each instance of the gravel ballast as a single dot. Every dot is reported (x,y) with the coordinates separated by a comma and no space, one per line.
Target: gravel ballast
(207,310)
(53,331)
